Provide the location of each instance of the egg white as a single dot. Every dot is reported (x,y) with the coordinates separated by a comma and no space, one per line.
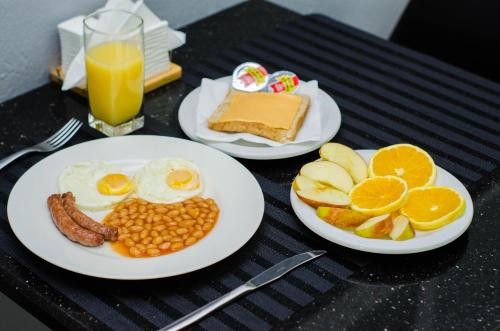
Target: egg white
(151,181)
(81,179)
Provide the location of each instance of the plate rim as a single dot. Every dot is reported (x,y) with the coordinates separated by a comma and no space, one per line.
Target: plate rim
(295,201)
(158,275)
(311,146)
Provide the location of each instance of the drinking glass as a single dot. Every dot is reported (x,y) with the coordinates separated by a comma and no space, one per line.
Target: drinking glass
(114,61)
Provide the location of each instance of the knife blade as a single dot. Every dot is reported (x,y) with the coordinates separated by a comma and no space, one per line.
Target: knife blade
(264,278)
(282,268)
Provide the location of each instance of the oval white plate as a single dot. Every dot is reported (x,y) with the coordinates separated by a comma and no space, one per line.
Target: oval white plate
(330,126)
(423,241)
(231,185)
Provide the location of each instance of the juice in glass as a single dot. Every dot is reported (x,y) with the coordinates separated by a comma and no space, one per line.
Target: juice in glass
(115,73)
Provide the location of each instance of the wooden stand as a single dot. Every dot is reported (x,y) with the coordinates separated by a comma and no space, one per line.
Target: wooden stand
(175,72)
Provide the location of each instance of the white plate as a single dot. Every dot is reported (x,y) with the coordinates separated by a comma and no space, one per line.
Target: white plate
(330,118)
(232,186)
(423,241)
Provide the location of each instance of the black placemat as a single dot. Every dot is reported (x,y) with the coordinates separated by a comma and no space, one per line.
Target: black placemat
(386,94)
(151,304)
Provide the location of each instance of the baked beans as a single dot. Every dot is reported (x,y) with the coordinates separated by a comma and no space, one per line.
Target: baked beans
(150,229)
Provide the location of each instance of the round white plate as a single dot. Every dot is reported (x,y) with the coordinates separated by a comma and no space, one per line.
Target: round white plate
(423,241)
(330,118)
(233,187)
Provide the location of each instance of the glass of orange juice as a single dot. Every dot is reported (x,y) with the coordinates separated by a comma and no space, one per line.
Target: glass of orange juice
(114,61)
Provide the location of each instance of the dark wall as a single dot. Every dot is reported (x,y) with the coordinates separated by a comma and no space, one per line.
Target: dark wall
(465,33)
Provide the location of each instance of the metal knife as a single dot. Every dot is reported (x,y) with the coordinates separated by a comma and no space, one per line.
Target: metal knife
(264,278)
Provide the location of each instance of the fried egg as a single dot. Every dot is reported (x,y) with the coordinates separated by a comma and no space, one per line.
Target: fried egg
(96,185)
(168,180)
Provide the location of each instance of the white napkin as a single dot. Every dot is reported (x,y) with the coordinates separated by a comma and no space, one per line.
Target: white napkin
(212,94)
(158,36)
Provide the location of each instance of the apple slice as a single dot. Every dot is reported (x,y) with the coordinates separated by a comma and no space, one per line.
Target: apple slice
(341,217)
(301,183)
(328,173)
(401,229)
(346,158)
(375,227)
(324,197)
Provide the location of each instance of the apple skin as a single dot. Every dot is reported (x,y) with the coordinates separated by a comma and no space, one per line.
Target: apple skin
(328,173)
(317,197)
(341,217)
(347,158)
(376,227)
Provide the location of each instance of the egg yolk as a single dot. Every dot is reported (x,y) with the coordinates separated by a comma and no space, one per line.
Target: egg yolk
(183,180)
(114,184)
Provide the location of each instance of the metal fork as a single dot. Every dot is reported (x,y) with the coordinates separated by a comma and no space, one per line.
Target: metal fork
(48,145)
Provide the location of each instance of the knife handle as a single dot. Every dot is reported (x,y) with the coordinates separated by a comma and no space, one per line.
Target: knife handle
(208,308)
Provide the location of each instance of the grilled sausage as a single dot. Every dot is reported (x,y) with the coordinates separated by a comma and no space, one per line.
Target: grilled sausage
(110,233)
(68,227)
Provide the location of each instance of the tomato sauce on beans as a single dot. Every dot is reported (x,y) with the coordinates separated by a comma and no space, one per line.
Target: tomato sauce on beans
(147,229)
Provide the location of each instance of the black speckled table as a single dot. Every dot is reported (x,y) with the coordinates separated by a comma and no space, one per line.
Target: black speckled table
(386,94)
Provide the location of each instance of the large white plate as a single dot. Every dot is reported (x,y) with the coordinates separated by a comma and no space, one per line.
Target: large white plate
(330,118)
(423,241)
(232,186)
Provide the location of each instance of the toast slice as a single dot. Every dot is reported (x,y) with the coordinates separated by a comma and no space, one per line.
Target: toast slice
(253,125)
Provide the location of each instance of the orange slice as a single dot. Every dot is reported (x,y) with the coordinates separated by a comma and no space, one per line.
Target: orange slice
(430,208)
(379,195)
(409,162)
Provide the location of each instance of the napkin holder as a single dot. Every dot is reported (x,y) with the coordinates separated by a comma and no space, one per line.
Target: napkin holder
(150,84)
(159,41)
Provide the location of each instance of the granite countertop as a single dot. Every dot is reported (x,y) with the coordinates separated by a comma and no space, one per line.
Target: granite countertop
(425,291)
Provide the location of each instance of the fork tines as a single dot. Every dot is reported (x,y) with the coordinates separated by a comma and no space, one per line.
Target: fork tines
(62,136)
